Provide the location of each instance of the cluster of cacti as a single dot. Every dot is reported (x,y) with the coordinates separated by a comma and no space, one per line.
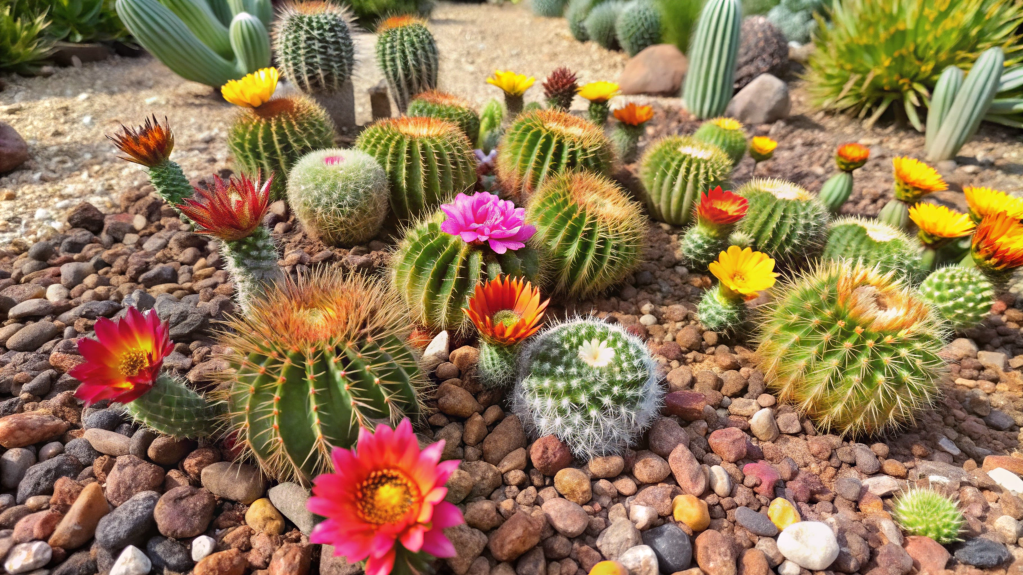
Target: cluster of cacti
(716,216)
(795,18)
(836,191)
(674,171)
(591,384)
(548,8)
(590,232)
(874,243)
(407,55)
(491,126)
(576,12)
(926,513)
(962,295)
(559,88)
(340,196)
(725,133)
(443,106)
(638,26)
(600,23)
(542,144)
(785,221)
(199,43)
(958,107)
(855,349)
(310,365)
(742,274)
(150,145)
(427,162)
(712,57)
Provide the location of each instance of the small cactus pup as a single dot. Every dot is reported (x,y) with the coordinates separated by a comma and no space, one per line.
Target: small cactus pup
(786,222)
(599,95)
(318,359)
(491,126)
(638,26)
(559,88)
(505,311)
(591,384)
(233,212)
(725,133)
(407,54)
(962,296)
(742,274)
(938,226)
(443,106)
(514,87)
(439,262)
(632,121)
(716,216)
(926,513)
(543,144)
(913,180)
(150,145)
(855,349)
(674,171)
(838,188)
(761,149)
(273,133)
(592,235)
(875,244)
(997,248)
(340,196)
(984,202)
(123,365)
(427,162)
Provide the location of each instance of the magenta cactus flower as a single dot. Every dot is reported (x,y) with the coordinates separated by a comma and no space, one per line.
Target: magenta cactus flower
(485,218)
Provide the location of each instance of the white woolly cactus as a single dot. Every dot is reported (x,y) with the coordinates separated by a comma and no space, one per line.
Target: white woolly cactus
(340,196)
(591,384)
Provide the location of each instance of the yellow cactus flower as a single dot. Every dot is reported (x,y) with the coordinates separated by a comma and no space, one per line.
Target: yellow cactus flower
(599,91)
(743,272)
(513,84)
(986,202)
(727,123)
(938,224)
(761,148)
(915,179)
(253,90)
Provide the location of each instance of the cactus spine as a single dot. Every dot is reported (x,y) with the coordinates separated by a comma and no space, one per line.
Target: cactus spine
(638,26)
(927,513)
(971,103)
(314,46)
(172,409)
(434,104)
(962,296)
(407,54)
(712,57)
(675,171)
(786,222)
(591,384)
(875,244)
(726,134)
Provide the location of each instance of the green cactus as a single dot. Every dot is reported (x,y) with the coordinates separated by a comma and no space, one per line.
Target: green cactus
(638,26)
(434,104)
(191,40)
(786,222)
(436,273)
(491,122)
(962,295)
(252,264)
(150,145)
(925,512)
(856,350)
(969,106)
(712,57)
(944,94)
(875,244)
(318,359)
(548,8)
(740,239)
(542,144)
(600,23)
(726,134)
(836,191)
(591,384)
(314,47)
(340,196)
(625,139)
(407,54)
(719,313)
(674,172)
(591,234)
(428,161)
(496,368)
(170,408)
(576,13)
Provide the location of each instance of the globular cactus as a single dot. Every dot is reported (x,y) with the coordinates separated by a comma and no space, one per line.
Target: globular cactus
(712,57)
(674,172)
(171,408)
(407,54)
(716,216)
(559,88)
(638,26)
(590,232)
(786,222)
(548,8)
(576,12)
(310,365)
(725,133)
(427,162)
(542,144)
(855,349)
(340,196)
(925,512)
(443,106)
(969,106)
(591,384)
(314,46)
(491,126)
(875,244)
(600,23)
(836,191)
(962,295)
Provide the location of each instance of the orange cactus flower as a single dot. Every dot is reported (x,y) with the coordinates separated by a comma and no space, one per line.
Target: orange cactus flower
(506,311)
(149,145)
(998,243)
(634,115)
(230,211)
(986,202)
(718,207)
(915,179)
(851,156)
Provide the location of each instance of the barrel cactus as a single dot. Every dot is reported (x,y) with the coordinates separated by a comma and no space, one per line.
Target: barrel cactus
(725,133)
(600,23)
(548,8)
(786,222)
(443,106)
(407,54)
(924,512)
(962,295)
(876,244)
(674,172)
(314,46)
(716,217)
(638,26)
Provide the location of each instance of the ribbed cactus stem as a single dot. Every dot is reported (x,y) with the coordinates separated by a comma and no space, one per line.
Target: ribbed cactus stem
(701,244)
(172,409)
(496,366)
(407,54)
(895,213)
(712,56)
(598,112)
(962,296)
(836,191)
(170,182)
(721,312)
(674,171)
(971,103)
(252,262)
(945,91)
(625,138)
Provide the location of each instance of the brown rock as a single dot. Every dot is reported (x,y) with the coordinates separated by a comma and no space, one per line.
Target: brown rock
(650,467)
(184,512)
(169,451)
(36,527)
(687,471)
(606,467)
(199,460)
(65,493)
(729,443)
(549,455)
(291,560)
(665,434)
(753,562)
(518,534)
(79,525)
(454,400)
(130,476)
(23,429)
(657,70)
(230,562)
(13,149)
(505,438)
(715,553)
(1013,464)
(574,485)
(929,557)
(685,404)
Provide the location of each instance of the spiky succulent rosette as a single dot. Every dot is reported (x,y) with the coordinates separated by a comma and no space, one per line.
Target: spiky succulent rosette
(560,88)
(962,296)
(716,216)
(505,312)
(853,348)
(875,244)
(313,362)
(150,145)
(927,513)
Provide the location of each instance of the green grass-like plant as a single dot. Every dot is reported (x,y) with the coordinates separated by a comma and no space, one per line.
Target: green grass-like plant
(23,44)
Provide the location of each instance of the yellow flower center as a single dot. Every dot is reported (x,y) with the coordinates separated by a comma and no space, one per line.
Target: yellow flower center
(386,496)
(132,362)
(506,317)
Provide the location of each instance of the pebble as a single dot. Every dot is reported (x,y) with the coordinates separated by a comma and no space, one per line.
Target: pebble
(618,538)
(290,499)
(929,556)
(789,568)
(202,546)
(756,523)
(550,455)
(567,517)
(782,513)
(1007,479)
(230,562)
(1008,528)
(848,488)
(81,450)
(687,471)
(763,425)
(108,442)
(132,475)
(131,561)
(184,512)
(26,557)
(690,510)
(715,553)
(642,516)
(640,560)
(79,524)
(881,485)
(609,568)
(50,450)
(24,429)
(728,443)
(13,465)
(671,545)
(518,534)
(129,523)
(809,544)
(574,485)
(606,467)
(264,518)
(168,555)
(650,467)
(436,352)
(39,478)
(31,338)
(983,553)
(720,481)
(235,481)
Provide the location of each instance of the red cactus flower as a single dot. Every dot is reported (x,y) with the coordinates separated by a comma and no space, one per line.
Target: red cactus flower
(229,210)
(719,207)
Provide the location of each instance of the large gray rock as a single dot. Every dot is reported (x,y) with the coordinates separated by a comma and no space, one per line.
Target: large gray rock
(763,101)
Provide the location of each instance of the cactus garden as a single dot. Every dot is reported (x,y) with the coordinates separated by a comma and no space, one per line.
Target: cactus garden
(537,287)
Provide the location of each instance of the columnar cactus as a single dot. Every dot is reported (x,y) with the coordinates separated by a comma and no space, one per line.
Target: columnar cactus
(855,349)
(875,244)
(407,54)
(712,57)
(600,23)
(716,216)
(150,145)
(962,296)
(725,133)
(591,234)
(838,188)
(969,106)
(428,161)
(542,144)
(638,26)
(674,171)
(786,222)
(591,384)
(443,106)
(340,196)
(944,94)
(309,366)
(927,513)
(314,46)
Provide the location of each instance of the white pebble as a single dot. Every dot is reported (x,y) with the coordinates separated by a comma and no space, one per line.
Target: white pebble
(720,481)
(648,320)
(132,561)
(42,214)
(27,557)
(810,544)
(642,516)
(1007,479)
(87,120)
(202,546)
(436,353)
(789,568)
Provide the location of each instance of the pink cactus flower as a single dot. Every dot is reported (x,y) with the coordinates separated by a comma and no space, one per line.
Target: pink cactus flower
(485,218)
